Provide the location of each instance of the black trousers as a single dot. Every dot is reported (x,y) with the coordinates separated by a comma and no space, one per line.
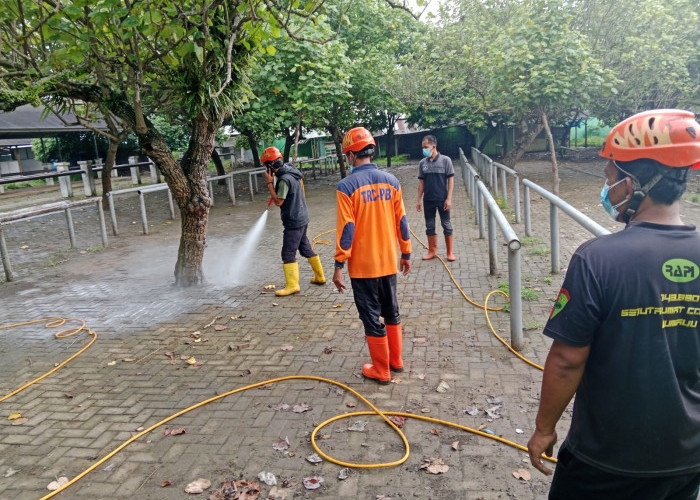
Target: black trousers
(429,209)
(293,240)
(576,480)
(376,297)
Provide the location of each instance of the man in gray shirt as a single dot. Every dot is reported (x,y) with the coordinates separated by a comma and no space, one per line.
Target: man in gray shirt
(436,179)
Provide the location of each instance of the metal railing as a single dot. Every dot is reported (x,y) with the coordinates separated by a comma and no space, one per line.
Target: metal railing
(556,204)
(480,195)
(65,206)
(491,170)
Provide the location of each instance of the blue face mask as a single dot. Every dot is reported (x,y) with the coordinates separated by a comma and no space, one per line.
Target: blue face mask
(607,204)
(427,152)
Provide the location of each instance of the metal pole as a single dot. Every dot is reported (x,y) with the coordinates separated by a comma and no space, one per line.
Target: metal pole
(504,187)
(480,208)
(250,185)
(516,299)
(211,193)
(231,189)
(170,205)
(112,214)
(526,208)
(71,230)
(493,252)
(144,219)
(103,226)
(5,257)
(516,198)
(554,236)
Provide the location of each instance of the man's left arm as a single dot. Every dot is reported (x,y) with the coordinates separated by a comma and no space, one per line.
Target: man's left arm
(450,171)
(450,188)
(562,374)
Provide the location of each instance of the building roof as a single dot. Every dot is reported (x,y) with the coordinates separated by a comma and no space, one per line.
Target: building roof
(26,122)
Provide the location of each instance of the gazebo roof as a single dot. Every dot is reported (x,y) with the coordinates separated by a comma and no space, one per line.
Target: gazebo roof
(26,122)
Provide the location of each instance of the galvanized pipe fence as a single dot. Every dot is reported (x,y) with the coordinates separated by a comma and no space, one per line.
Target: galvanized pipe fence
(65,206)
(487,169)
(479,195)
(326,165)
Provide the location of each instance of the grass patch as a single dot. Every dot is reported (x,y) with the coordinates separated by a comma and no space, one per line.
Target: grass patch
(95,249)
(395,160)
(692,197)
(534,325)
(529,293)
(530,240)
(502,203)
(57,258)
(593,141)
(539,251)
(548,280)
(26,184)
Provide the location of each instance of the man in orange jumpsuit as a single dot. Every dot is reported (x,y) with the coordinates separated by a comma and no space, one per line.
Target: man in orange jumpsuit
(371,225)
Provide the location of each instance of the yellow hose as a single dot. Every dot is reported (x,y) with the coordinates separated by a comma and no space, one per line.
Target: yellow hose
(55,322)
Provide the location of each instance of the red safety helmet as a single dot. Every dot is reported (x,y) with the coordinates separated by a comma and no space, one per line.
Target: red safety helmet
(669,136)
(270,154)
(357,139)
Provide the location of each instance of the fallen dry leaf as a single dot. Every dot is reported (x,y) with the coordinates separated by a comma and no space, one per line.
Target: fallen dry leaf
(198,486)
(179,430)
(14,416)
(220,328)
(420,340)
(166,483)
(20,421)
(522,474)
(111,363)
(170,355)
(287,347)
(58,483)
(397,420)
(313,482)
(434,431)
(236,490)
(269,287)
(455,445)
(191,360)
(275,304)
(281,445)
(328,349)
(24,247)
(434,465)
(301,408)
(129,360)
(336,306)
(352,405)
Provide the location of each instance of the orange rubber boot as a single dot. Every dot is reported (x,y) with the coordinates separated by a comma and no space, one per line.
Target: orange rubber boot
(448,243)
(432,248)
(379,352)
(393,334)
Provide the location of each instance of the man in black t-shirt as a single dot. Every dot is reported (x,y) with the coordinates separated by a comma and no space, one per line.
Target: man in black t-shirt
(625,330)
(436,180)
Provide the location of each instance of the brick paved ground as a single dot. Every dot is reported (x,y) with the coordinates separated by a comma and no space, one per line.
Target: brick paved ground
(135,374)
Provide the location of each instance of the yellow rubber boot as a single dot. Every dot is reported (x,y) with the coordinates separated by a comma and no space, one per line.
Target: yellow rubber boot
(432,248)
(319,278)
(291,274)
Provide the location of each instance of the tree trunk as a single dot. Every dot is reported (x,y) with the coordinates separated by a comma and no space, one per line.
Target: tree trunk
(338,141)
(288,143)
(107,171)
(490,134)
(530,127)
(219,166)
(390,122)
(552,152)
(253,144)
(296,140)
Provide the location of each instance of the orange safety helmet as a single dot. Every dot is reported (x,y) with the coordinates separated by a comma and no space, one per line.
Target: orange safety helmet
(270,154)
(669,136)
(357,139)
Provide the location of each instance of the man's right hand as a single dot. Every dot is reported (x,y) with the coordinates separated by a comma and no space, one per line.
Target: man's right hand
(338,279)
(419,206)
(541,443)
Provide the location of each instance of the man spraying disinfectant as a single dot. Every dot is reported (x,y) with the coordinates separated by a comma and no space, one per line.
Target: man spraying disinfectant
(288,194)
